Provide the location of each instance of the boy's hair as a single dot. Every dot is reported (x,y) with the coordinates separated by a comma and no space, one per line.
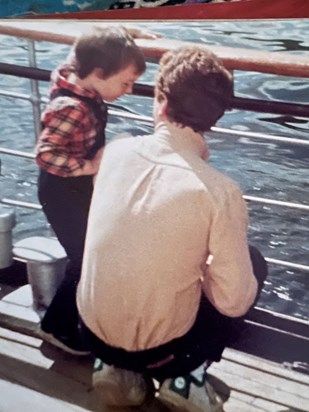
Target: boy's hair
(109,48)
(196,85)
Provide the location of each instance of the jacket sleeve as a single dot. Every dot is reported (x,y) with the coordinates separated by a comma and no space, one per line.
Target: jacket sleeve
(229,282)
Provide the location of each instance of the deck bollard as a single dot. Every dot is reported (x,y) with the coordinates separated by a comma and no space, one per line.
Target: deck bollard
(46,262)
(7,222)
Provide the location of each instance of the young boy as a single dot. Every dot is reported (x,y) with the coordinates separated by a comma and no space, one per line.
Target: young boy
(167,263)
(104,66)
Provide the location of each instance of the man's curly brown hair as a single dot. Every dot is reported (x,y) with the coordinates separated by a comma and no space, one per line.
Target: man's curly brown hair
(196,85)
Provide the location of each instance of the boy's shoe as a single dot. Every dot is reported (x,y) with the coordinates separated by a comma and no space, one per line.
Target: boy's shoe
(188,394)
(119,387)
(68,344)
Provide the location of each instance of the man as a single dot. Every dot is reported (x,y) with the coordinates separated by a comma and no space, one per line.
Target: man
(167,264)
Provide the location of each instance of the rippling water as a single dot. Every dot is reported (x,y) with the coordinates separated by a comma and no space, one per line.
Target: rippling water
(265,169)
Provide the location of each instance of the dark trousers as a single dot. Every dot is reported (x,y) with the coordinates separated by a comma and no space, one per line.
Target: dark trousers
(66,203)
(206,340)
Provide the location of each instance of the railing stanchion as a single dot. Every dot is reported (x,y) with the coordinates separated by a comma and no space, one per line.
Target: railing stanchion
(35,93)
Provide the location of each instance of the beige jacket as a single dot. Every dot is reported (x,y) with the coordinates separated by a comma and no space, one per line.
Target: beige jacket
(158,212)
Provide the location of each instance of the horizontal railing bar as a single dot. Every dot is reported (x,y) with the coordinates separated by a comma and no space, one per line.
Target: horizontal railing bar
(17,153)
(131,116)
(287,264)
(252,60)
(239,103)
(15,95)
(284,323)
(234,58)
(221,130)
(27,72)
(246,197)
(27,205)
(266,106)
(30,205)
(263,200)
(261,136)
(149,120)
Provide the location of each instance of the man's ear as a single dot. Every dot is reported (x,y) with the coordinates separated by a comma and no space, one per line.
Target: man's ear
(163,107)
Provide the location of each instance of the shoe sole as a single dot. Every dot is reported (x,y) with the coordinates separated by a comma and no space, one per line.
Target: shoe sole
(48,337)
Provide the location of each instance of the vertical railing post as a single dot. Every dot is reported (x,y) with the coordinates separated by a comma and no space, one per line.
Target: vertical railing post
(35,93)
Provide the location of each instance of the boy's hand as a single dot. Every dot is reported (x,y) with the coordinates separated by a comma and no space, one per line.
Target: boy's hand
(91,167)
(143,34)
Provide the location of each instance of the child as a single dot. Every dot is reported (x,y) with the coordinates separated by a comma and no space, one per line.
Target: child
(104,66)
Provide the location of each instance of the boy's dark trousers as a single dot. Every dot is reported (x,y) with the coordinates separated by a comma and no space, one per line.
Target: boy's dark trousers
(206,340)
(66,202)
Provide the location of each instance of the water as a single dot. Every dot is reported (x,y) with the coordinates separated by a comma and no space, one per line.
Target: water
(262,169)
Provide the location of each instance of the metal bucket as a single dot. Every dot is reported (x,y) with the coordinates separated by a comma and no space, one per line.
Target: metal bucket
(7,222)
(45,280)
(46,262)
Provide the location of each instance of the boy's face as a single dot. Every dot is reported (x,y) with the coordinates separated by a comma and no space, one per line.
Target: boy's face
(116,85)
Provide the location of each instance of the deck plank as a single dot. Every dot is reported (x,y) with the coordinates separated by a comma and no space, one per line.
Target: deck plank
(33,372)
(59,381)
(13,396)
(27,367)
(267,366)
(62,377)
(268,379)
(262,385)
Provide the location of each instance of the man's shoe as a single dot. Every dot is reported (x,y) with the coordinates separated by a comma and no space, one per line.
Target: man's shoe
(188,394)
(71,345)
(119,387)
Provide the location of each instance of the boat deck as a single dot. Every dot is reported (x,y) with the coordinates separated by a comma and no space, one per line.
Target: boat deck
(38,377)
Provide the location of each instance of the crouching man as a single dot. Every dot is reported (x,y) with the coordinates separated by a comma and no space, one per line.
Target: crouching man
(167,267)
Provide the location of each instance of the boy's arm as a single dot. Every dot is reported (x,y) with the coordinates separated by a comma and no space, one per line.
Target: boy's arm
(64,129)
(142,34)
(229,282)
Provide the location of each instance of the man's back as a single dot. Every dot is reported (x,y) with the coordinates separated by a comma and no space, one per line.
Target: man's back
(149,238)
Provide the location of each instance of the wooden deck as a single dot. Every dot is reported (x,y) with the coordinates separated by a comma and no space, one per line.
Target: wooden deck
(38,377)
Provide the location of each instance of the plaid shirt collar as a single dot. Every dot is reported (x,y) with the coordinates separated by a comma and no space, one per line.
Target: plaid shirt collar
(60,80)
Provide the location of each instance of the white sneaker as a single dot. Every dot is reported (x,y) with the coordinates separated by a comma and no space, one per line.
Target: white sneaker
(187,394)
(119,387)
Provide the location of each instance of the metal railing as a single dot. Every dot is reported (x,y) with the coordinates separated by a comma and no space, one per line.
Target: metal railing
(35,75)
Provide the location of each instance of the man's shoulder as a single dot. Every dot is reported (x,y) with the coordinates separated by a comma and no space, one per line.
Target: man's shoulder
(218,182)
(127,138)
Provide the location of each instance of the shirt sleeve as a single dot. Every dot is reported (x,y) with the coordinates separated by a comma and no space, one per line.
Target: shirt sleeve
(60,147)
(229,282)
